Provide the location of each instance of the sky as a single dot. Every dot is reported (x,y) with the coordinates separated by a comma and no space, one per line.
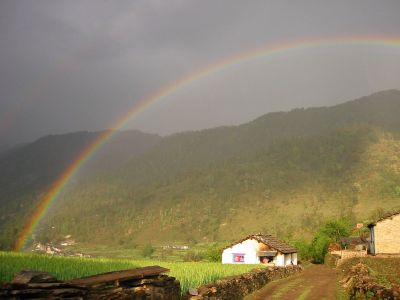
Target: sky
(72,65)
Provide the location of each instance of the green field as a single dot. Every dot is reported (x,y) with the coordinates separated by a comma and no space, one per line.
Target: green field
(190,274)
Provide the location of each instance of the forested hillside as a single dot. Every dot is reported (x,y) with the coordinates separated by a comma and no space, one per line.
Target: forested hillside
(283,173)
(27,171)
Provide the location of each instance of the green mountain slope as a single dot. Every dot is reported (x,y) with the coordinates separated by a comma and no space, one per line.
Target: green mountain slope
(282,173)
(288,188)
(197,150)
(27,171)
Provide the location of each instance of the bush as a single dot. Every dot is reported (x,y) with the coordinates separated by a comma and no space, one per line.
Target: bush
(214,253)
(304,249)
(148,250)
(193,256)
(330,232)
(319,248)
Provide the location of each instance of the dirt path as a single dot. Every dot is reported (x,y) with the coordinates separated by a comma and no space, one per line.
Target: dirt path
(315,282)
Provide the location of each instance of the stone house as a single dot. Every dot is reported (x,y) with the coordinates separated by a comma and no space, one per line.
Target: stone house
(260,248)
(385,235)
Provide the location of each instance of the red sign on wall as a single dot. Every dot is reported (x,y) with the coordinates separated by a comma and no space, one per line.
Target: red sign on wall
(238,257)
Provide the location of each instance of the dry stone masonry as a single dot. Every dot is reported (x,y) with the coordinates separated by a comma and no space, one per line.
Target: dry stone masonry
(143,283)
(236,287)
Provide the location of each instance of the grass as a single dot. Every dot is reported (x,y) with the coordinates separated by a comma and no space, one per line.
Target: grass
(190,274)
(283,289)
(304,294)
(341,293)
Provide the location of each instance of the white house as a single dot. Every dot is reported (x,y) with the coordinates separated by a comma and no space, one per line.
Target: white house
(259,248)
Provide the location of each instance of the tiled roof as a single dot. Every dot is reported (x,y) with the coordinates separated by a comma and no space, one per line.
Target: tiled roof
(353,240)
(269,240)
(384,217)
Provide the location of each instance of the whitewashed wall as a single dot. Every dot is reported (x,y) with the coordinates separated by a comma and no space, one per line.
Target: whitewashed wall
(247,247)
(294,258)
(279,260)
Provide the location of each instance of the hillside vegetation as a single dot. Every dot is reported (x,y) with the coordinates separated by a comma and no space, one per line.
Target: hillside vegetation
(284,173)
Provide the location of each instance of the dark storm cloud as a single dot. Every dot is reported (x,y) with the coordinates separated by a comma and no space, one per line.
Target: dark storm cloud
(76,65)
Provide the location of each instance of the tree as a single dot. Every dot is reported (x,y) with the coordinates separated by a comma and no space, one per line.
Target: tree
(330,232)
(335,229)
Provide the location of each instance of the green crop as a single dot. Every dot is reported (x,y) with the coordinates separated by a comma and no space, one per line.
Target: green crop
(190,274)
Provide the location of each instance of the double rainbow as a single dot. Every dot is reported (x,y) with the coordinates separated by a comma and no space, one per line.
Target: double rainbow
(58,186)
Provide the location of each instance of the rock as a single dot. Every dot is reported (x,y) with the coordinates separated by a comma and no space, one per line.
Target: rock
(25,277)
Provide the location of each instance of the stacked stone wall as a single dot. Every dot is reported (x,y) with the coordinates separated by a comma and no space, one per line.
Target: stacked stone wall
(40,285)
(236,287)
(340,256)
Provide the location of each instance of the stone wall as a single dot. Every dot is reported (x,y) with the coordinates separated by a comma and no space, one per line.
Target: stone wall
(236,287)
(341,255)
(114,285)
(387,235)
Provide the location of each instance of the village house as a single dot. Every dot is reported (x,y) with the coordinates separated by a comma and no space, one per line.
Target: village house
(259,248)
(385,235)
(358,243)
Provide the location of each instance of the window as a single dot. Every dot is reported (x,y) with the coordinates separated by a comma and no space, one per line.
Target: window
(238,257)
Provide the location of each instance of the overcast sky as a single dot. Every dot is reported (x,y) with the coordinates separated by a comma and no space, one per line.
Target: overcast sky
(80,65)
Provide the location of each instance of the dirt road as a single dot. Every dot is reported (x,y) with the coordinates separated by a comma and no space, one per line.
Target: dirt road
(315,282)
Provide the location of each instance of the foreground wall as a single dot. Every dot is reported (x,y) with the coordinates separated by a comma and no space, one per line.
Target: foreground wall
(236,287)
(136,284)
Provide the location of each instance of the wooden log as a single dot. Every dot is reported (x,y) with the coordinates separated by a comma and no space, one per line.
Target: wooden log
(50,285)
(118,276)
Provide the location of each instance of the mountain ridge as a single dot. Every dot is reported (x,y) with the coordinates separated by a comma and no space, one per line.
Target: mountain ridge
(309,159)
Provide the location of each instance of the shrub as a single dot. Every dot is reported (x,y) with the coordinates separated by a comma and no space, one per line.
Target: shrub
(193,256)
(148,250)
(304,249)
(319,248)
(214,253)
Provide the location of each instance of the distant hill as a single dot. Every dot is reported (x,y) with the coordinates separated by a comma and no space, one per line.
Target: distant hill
(28,170)
(282,173)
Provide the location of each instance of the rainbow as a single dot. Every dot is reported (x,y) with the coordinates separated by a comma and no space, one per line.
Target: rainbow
(58,186)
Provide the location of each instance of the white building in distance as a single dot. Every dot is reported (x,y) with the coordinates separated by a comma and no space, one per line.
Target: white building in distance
(259,248)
